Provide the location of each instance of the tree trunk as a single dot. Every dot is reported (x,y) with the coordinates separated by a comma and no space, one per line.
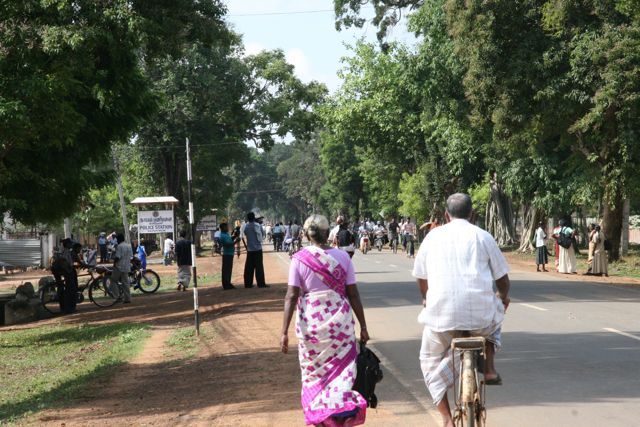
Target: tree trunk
(531,217)
(625,227)
(499,218)
(612,225)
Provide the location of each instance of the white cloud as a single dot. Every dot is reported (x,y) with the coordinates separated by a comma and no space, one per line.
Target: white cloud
(252,48)
(302,65)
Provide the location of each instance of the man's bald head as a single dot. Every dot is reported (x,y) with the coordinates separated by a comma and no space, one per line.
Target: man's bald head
(459,206)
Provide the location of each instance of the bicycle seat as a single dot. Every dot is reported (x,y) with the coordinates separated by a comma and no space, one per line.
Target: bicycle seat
(471,343)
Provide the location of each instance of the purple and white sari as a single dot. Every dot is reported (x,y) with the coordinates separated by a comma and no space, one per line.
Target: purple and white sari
(327,346)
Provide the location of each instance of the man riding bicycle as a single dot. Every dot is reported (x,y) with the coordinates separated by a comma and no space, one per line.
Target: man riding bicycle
(393,232)
(455,268)
(409,237)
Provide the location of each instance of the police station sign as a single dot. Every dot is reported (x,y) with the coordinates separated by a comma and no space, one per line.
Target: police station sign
(155,222)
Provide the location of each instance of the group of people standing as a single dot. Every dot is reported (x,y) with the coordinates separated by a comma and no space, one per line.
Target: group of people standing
(565,248)
(252,236)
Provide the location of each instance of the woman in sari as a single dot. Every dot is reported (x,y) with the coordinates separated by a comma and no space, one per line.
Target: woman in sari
(592,248)
(600,262)
(567,263)
(322,283)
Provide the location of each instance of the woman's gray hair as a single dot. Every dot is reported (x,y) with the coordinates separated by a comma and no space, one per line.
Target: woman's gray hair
(316,227)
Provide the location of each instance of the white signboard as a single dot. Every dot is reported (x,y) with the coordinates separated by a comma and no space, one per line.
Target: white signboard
(208,223)
(150,222)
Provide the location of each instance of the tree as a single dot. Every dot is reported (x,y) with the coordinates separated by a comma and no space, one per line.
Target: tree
(218,100)
(302,176)
(72,84)
(598,44)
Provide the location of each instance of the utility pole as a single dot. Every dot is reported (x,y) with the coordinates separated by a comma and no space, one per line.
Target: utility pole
(67,228)
(193,245)
(123,207)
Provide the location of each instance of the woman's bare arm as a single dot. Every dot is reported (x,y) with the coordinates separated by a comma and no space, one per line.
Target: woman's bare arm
(356,305)
(290,301)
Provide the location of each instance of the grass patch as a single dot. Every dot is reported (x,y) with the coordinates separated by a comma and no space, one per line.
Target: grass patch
(182,343)
(48,366)
(168,282)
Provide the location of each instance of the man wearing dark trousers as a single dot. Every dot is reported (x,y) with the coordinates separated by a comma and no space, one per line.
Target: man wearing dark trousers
(252,238)
(228,249)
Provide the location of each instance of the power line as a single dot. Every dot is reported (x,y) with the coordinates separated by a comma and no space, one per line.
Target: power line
(292,12)
(300,12)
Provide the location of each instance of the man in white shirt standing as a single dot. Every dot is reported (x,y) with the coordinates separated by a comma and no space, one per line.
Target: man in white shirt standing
(455,268)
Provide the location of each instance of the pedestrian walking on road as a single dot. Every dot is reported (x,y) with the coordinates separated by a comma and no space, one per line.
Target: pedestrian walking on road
(541,248)
(168,248)
(456,266)
(102,247)
(228,246)
(183,258)
(235,235)
(600,264)
(322,284)
(141,252)
(252,238)
(567,263)
(122,266)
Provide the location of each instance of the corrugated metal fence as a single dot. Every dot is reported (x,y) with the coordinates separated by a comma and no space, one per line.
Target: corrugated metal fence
(21,253)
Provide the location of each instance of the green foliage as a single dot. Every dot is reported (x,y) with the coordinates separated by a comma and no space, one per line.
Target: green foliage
(302,175)
(387,13)
(72,84)
(277,102)
(413,196)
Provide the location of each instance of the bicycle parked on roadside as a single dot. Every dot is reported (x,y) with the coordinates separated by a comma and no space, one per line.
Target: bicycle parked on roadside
(146,281)
(470,410)
(51,293)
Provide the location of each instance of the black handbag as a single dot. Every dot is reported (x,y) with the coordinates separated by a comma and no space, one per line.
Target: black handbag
(369,374)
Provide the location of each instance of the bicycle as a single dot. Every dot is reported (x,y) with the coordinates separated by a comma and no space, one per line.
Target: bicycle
(294,247)
(51,293)
(394,243)
(470,410)
(147,281)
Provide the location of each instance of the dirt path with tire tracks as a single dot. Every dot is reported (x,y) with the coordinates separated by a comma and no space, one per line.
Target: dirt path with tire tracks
(237,378)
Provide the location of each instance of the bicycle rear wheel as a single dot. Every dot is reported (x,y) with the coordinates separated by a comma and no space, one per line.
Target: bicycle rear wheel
(149,281)
(50,297)
(471,414)
(104,293)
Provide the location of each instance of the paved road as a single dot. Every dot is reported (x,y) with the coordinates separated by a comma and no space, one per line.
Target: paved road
(571,350)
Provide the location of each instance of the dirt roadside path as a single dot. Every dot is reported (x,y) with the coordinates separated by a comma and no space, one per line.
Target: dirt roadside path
(238,377)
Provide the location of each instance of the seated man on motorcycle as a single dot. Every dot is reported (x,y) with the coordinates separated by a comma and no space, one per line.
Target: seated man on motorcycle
(379,233)
(455,268)
(363,235)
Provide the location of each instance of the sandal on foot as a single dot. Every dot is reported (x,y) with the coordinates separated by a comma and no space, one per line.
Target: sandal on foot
(494,381)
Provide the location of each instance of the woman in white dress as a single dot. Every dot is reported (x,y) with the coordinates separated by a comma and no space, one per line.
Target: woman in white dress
(600,263)
(567,263)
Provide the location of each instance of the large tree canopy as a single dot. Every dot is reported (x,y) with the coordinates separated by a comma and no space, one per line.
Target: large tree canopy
(72,82)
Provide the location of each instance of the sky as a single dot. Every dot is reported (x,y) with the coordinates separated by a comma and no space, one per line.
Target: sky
(304,30)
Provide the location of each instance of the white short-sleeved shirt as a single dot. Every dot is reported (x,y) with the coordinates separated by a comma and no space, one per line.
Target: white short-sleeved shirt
(460,261)
(540,237)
